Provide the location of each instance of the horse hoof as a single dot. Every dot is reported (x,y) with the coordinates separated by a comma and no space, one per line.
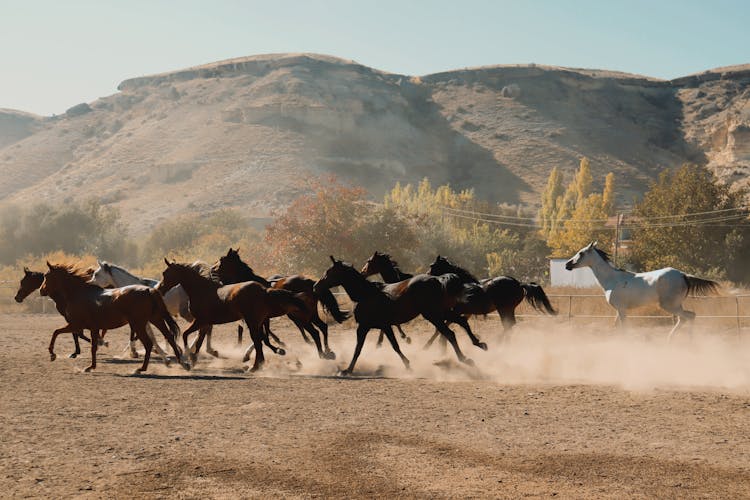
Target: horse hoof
(281,343)
(102,343)
(133,355)
(88,369)
(73,356)
(245,358)
(345,373)
(186,366)
(137,371)
(468,362)
(214,353)
(482,346)
(281,352)
(378,345)
(166,362)
(407,340)
(329,355)
(52,356)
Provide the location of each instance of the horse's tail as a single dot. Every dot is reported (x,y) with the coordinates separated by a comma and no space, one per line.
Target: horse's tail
(161,308)
(330,304)
(700,286)
(536,297)
(287,298)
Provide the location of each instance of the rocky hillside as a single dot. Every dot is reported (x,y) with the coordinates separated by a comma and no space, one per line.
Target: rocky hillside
(252,132)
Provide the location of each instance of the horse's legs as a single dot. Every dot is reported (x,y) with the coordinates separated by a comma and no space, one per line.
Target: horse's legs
(213,352)
(323,326)
(403,335)
(316,338)
(464,323)
(256,333)
(361,336)
(448,334)
(239,334)
(159,323)
(143,335)
(302,331)
(193,327)
(380,339)
(270,334)
(64,329)
(203,332)
(681,314)
(432,339)
(78,346)
(94,346)
(394,344)
(157,347)
(507,317)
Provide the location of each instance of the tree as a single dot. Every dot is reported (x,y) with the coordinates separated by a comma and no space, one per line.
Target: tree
(711,242)
(577,216)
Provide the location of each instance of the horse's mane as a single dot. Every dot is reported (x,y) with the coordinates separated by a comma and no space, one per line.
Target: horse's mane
(460,271)
(608,259)
(76,274)
(200,268)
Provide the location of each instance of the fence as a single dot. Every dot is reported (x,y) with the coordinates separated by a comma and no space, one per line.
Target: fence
(729,311)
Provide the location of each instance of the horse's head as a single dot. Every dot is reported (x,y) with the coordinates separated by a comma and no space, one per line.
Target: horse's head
(31,281)
(170,277)
(374,264)
(441,266)
(102,275)
(335,275)
(229,265)
(584,258)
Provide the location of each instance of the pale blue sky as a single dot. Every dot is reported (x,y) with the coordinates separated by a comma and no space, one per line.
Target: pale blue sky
(58,53)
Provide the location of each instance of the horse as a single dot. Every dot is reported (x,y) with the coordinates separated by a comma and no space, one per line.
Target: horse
(93,308)
(381,305)
(232,269)
(501,294)
(31,281)
(212,303)
(176,300)
(388,269)
(624,290)
(383,264)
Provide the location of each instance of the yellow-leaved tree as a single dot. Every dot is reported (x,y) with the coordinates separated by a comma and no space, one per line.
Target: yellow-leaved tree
(572,218)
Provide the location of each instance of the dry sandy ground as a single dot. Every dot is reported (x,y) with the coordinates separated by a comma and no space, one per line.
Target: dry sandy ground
(546,413)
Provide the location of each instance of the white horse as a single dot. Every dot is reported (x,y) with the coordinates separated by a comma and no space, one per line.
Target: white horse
(176,299)
(624,290)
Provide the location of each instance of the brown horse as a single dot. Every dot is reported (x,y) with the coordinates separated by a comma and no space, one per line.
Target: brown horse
(93,308)
(232,269)
(31,281)
(381,306)
(212,303)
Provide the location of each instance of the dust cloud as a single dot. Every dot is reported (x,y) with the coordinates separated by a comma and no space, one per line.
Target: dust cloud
(542,352)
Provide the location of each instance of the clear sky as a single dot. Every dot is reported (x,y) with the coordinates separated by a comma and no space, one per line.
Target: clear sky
(55,54)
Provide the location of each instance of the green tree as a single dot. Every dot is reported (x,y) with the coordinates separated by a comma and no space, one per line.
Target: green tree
(713,242)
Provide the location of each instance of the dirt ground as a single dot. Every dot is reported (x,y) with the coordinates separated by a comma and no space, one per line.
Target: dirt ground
(545,413)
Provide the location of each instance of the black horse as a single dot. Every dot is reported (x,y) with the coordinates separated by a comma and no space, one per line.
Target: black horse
(232,269)
(383,264)
(501,294)
(382,306)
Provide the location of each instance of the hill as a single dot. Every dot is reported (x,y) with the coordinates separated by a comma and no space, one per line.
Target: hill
(251,132)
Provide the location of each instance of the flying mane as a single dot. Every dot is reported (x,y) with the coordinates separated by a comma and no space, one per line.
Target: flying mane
(77,275)
(608,259)
(463,273)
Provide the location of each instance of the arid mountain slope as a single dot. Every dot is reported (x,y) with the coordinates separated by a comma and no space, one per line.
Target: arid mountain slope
(251,132)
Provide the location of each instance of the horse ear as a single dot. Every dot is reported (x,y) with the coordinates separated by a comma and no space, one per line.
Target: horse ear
(237,251)
(26,270)
(229,253)
(332,259)
(49,265)
(593,244)
(167,262)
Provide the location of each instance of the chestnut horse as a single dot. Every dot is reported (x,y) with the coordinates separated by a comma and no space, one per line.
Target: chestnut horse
(232,269)
(93,308)
(212,303)
(31,281)
(381,306)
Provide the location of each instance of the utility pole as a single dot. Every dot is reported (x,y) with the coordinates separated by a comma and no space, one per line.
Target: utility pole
(618,223)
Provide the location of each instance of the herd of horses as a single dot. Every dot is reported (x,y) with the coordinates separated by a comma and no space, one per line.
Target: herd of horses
(110,297)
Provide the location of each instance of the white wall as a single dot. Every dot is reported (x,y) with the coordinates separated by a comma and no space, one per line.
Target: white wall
(578,278)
